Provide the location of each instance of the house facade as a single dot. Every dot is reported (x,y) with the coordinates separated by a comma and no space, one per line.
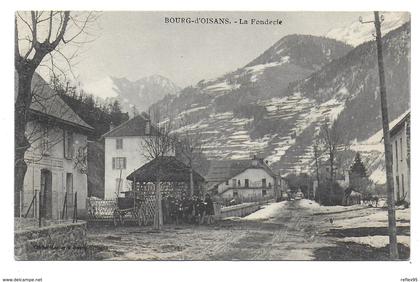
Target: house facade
(57,157)
(400,141)
(242,179)
(125,152)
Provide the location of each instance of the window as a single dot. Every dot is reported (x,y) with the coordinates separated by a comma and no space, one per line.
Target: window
(392,159)
(147,128)
(264,182)
(119,163)
(45,142)
(246,182)
(239,183)
(69,188)
(401,149)
(68,144)
(402,185)
(119,143)
(264,193)
(234,182)
(118,185)
(396,155)
(235,194)
(227,182)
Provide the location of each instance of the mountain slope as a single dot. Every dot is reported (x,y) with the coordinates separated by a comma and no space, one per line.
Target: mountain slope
(143,92)
(349,86)
(276,107)
(291,58)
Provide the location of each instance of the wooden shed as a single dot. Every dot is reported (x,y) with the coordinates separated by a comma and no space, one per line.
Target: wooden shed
(173,176)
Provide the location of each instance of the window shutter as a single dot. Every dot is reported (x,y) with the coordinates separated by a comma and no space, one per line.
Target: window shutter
(125,162)
(113,163)
(64,143)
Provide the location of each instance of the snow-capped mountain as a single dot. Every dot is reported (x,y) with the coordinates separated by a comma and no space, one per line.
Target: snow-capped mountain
(349,88)
(274,106)
(143,92)
(357,33)
(291,58)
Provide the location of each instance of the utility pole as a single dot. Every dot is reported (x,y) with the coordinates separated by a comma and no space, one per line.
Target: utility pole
(316,155)
(392,227)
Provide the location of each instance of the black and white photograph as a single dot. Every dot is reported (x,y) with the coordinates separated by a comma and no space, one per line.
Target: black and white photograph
(211,136)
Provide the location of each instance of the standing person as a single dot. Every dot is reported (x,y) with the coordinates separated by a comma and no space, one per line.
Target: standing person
(209,208)
(165,209)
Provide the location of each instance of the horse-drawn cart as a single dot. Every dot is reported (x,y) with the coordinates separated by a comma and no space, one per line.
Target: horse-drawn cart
(128,207)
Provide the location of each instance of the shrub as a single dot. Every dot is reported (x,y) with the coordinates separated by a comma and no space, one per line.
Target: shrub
(329,197)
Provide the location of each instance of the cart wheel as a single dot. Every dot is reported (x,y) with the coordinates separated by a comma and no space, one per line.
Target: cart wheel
(139,220)
(211,219)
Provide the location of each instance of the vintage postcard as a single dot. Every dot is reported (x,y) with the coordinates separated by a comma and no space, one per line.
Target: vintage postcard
(212,136)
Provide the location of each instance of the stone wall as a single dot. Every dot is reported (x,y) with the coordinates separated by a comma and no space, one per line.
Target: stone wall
(240,210)
(55,242)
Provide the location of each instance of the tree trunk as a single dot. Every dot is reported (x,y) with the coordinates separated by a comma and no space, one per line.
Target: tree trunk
(22,103)
(331,178)
(158,220)
(392,228)
(191,181)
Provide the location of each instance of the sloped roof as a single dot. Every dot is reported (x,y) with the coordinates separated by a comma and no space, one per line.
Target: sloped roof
(222,170)
(46,102)
(396,128)
(171,170)
(132,127)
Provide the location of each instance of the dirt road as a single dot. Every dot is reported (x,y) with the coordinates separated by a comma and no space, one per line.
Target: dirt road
(291,233)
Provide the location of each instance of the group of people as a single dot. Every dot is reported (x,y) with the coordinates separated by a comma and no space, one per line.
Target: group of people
(188,209)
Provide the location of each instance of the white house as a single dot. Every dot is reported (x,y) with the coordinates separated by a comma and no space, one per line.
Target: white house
(400,141)
(249,179)
(125,152)
(57,157)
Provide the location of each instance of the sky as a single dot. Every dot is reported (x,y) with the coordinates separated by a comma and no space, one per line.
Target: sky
(139,44)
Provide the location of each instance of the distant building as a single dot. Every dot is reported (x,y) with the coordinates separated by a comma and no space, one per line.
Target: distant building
(343,180)
(400,141)
(249,179)
(341,177)
(125,152)
(57,158)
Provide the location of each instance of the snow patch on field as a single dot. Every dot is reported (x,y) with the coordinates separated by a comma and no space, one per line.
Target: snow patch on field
(192,110)
(262,67)
(317,208)
(266,211)
(378,219)
(222,86)
(378,176)
(377,241)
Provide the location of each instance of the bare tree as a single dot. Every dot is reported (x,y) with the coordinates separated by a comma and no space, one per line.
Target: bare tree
(190,146)
(38,38)
(317,154)
(158,143)
(333,139)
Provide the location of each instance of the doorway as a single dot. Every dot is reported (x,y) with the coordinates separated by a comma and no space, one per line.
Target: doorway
(46,194)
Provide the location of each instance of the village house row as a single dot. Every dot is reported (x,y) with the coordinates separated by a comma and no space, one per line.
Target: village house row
(59,164)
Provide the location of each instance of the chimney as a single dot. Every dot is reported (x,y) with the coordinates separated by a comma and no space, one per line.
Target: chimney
(111,126)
